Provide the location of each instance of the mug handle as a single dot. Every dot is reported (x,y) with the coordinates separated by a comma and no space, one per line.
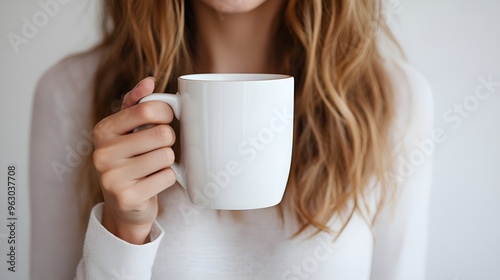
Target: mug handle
(174,101)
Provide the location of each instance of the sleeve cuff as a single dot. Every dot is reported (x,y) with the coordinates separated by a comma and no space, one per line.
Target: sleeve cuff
(106,256)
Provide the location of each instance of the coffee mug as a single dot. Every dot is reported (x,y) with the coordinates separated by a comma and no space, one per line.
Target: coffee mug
(236,138)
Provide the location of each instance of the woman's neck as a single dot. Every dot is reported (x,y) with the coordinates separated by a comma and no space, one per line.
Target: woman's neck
(240,42)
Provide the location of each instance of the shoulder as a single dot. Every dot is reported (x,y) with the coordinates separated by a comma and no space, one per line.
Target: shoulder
(413,99)
(65,89)
(79,66)
(71,75)
(62,102)
(411,88)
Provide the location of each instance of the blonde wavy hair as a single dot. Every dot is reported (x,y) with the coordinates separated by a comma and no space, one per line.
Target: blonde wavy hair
(344,105)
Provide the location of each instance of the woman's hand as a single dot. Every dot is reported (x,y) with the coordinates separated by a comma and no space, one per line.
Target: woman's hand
(134,167)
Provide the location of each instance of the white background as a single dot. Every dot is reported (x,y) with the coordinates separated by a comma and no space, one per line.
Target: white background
(452,43)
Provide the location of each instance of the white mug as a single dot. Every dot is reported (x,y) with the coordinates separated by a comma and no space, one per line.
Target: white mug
(236,138)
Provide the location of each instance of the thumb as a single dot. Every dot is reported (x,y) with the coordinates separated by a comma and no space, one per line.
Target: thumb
(143,88)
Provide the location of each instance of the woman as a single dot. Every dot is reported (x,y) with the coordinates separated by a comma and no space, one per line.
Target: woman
(355,205)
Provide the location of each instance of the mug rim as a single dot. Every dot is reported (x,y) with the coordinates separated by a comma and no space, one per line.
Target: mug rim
(233,77)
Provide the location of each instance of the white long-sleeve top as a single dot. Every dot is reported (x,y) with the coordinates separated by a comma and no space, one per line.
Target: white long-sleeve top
(188,242)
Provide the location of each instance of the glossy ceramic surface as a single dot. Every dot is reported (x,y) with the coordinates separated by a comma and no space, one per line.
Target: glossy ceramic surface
(236,138)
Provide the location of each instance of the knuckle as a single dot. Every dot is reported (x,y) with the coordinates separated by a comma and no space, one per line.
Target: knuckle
(166,155)
(146,111)
(97,134)
(126,199)
(170,176)
(169,111)
(107,181)
(101,129)
(170,156)
(165,134)
(99,159)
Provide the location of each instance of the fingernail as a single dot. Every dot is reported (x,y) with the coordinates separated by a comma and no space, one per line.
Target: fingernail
(140,83)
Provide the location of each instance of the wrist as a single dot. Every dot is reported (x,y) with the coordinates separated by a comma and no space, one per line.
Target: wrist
(132,233)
